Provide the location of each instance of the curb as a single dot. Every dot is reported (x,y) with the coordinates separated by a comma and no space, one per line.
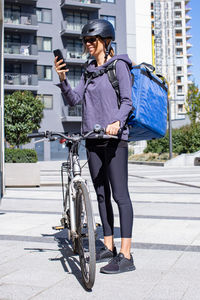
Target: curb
(147,163)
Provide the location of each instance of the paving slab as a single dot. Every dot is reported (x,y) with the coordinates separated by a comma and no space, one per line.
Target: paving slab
(38,263)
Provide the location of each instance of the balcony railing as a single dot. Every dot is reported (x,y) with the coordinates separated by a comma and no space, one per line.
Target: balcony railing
(75,111)
(71,114)
(22,49)
(75,55)
(17,18)
(69,26)
(20,79)
(82,1)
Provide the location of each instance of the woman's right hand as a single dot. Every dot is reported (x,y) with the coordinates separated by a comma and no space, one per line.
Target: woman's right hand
(58,65)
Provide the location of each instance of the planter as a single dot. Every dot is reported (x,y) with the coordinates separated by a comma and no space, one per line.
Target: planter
(22,174)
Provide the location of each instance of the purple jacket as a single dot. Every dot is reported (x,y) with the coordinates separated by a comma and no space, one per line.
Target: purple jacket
(99,99)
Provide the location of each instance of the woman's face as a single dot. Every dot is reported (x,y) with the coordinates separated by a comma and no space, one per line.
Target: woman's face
(94,45)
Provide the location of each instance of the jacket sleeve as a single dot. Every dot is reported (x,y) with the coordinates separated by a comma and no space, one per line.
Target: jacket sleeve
(72,96)
(125,84)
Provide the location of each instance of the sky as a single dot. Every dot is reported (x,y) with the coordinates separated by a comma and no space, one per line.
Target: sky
(195,40)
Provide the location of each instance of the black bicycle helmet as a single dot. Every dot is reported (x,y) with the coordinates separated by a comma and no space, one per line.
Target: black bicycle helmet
(98,27)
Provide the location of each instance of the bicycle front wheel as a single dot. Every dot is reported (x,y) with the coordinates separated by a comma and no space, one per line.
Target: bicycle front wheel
(86,235)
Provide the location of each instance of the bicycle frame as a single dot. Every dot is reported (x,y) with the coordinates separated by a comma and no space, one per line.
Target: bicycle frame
(74,174)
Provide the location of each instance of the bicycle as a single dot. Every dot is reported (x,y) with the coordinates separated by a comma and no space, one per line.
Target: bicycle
(77,214)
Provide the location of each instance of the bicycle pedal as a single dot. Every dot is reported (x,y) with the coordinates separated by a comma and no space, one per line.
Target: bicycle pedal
(98,224)
(58,227)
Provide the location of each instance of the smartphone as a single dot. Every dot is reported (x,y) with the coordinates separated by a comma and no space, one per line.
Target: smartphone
(57,52)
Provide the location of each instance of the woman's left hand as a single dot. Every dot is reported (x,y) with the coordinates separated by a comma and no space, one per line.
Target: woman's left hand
(113,128)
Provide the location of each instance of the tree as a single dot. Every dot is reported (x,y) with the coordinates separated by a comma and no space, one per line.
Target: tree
(23,114)
(193,103)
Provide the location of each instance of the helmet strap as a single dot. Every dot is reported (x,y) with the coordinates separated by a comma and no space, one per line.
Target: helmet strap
(108,47)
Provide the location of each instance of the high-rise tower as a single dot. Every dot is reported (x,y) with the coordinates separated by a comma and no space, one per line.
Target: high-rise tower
(171,56)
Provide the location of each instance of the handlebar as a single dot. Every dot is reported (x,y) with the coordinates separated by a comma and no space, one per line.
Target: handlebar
(98,132)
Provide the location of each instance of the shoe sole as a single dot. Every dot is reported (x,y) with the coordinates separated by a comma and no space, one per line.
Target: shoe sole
(132,268)
(103,260)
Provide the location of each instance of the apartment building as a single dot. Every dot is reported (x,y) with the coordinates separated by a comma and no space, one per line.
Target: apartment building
(33,28)
(171,49)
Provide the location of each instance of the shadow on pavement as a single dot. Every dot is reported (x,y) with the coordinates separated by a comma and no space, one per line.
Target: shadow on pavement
(69,260)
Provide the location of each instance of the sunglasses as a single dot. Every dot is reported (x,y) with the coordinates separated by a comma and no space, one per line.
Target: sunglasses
(90,40)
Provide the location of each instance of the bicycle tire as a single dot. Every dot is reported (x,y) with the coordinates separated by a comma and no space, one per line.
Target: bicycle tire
(86,235)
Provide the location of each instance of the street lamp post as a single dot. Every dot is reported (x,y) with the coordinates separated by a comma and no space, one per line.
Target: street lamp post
(170,128)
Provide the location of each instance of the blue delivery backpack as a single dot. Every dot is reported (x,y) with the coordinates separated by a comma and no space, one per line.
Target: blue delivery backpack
(148,118)
(149,95)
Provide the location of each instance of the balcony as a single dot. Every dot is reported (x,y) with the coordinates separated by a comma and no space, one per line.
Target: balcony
(33,2)
(75,57)
(189,54)
(189,63)
(188,36)
(188,45)
(178,16)
(20,21)
(72,114)
(27,52)
(177,7)
(16,81)
(188,8)
(188,27)
(71,29)
(178,34)
(179,53)
(88,5)
(188,18)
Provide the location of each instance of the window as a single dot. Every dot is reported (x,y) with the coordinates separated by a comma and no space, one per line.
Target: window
(108,1)
(44,72)
(111,19)
(12,14)
(74,48)
(179,70)
(39,148)
(76,20)
(44,43)
(74,75)
(180,89)
(44,15)
(180,108)
(47,100)
(57,151)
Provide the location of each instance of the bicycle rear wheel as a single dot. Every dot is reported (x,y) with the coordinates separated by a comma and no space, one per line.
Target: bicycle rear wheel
(86,235)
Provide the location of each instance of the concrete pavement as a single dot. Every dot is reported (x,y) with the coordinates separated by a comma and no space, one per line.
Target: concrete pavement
(37,262)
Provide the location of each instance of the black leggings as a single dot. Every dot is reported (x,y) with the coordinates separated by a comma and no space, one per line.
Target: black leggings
(108,164)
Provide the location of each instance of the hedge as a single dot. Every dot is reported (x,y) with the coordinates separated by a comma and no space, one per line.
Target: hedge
(20,156)
(184,140)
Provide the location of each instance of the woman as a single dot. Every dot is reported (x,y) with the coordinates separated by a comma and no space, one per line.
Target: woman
(108,159)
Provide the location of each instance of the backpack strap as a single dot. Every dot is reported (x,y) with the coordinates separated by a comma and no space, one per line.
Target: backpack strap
(111,71)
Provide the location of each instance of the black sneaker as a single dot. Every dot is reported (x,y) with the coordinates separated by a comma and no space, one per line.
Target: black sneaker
(118,264)
(104,254)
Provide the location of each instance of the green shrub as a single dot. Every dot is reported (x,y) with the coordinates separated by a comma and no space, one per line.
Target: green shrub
(184,140)
(20,156)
